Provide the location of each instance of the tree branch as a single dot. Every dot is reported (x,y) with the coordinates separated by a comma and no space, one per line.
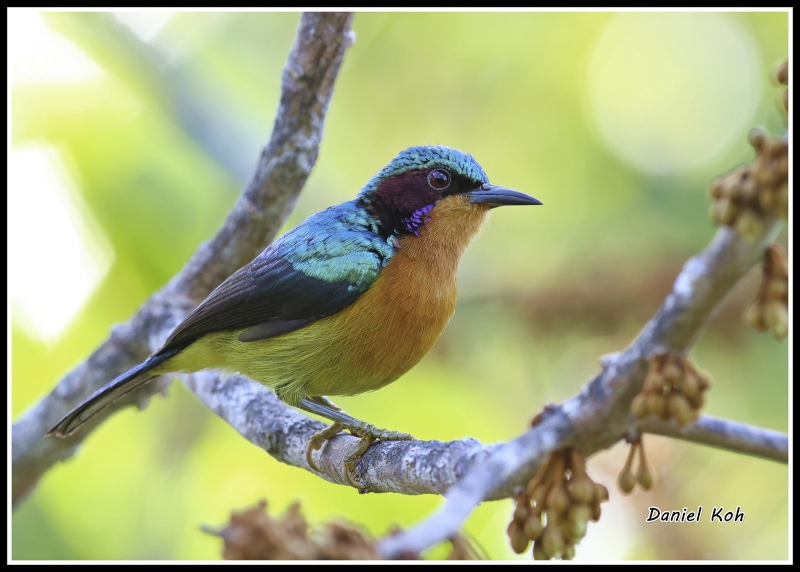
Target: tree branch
(406,467)
(282,170)
(432,467)
(600,415)
(724,434)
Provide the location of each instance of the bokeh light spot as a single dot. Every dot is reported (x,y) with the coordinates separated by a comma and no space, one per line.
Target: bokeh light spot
(671,92)
(51,226)
(37,55)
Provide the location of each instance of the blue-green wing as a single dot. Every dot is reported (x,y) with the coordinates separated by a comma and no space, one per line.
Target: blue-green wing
(317,269)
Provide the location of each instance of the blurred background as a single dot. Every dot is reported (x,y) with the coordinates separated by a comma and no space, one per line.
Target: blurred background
(133,132)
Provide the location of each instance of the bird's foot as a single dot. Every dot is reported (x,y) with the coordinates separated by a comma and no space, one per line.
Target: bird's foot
(368,433)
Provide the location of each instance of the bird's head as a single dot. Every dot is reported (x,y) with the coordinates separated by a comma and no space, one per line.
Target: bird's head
(423,182)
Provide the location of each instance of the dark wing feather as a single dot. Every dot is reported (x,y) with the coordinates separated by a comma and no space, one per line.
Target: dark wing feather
(310,273)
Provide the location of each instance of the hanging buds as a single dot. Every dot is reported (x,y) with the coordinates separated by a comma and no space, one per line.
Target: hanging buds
(643,477)
(555,508)
(770,310)
(748,195)
(627,480)
(673,388)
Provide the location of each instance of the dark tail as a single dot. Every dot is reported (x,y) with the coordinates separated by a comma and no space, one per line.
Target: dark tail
(106,395)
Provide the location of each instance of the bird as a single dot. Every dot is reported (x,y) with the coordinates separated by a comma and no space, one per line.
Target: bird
(344,303)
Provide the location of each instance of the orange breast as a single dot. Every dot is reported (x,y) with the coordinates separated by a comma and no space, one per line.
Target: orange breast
(397,321)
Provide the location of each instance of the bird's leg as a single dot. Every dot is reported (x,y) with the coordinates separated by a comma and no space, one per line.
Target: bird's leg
(322,400)
(318,439)
(369,433)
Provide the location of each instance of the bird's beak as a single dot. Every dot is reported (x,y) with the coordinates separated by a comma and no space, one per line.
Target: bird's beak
(498,196)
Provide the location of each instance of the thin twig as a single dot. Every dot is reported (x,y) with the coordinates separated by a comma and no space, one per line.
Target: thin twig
(724,434)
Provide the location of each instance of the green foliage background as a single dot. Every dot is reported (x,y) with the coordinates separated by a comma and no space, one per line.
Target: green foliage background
(543,292)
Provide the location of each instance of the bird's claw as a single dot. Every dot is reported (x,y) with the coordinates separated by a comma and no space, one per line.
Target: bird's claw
(317,440)
(368,434)
(351,461)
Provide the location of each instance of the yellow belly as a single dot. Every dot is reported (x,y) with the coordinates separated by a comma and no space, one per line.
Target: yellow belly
(369,344)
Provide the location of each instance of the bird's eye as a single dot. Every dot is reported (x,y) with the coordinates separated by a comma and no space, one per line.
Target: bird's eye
(439,179)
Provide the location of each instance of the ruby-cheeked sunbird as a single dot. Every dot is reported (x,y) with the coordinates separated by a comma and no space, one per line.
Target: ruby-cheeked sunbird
(345,302)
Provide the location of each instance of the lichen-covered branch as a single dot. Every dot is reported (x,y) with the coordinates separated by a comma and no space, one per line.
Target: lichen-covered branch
(432,467)
(282,170)
(724,434)
(406,467)
(600,415)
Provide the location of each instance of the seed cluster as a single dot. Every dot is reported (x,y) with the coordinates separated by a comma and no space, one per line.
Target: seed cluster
(770,310)
(748,195)
(673,388)
(254,535)
(555,508)
(643,477)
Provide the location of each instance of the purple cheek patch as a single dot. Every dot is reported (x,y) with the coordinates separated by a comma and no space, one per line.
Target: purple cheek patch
(417,218)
